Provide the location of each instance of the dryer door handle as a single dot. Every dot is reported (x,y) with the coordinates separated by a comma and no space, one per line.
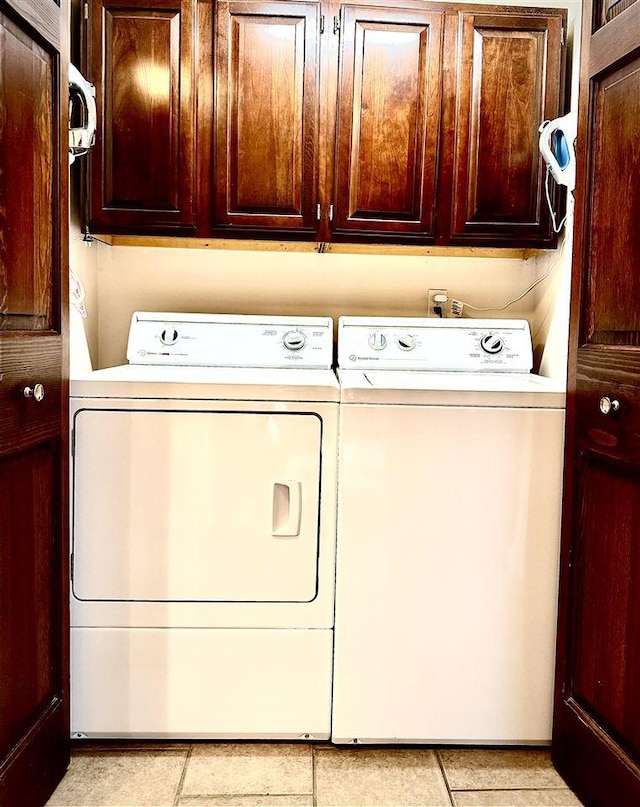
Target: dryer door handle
(287,509)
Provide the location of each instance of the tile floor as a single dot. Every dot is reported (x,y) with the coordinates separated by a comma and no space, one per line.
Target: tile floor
(288,775)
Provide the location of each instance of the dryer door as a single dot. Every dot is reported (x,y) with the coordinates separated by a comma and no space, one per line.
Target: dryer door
(196,506)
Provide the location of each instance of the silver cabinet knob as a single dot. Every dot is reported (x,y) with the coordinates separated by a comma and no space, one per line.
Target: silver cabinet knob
(607,405)
(36,392)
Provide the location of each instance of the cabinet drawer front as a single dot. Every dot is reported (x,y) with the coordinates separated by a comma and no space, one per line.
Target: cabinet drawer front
(266,114)
(142,63)
(388,120)
(508,82)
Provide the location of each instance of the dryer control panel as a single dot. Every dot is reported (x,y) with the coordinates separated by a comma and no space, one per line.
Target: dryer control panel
(219,340)
(440,345)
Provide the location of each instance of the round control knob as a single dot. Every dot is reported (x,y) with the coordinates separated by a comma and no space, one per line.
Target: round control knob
(294,340)
(169,336)
(607,405)
(492,343)
(377,341)
(406,341)
(36,392)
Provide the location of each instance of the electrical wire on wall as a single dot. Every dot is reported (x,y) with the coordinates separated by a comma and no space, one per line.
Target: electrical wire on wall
(457,305)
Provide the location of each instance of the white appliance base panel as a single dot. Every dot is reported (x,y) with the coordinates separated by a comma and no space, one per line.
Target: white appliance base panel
(201,683)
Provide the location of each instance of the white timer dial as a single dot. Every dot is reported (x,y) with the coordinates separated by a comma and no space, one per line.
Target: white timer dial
(406,341)
(492,343)
(294,340)
(169,336)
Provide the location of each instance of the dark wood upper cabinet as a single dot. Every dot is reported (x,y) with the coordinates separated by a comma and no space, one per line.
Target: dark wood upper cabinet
(266,114)
(415,122)
(388,120)
(508,80)
(141,59)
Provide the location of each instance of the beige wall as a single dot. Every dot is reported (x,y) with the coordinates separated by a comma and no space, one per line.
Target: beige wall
(83,259)
(152,279)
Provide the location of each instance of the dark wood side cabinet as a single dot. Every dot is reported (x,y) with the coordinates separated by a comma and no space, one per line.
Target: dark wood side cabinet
(507,81)
(412,121)
(34,559)
(141,57)
(596,741)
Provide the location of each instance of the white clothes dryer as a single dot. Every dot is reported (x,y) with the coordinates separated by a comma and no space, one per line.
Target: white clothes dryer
(449,496)
(203,531)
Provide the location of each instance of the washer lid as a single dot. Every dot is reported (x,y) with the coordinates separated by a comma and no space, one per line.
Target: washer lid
(450,389)
(411,343)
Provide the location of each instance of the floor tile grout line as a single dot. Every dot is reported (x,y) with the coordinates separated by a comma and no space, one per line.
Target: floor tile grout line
(524,788)
(444,775)
(182,777)
(314,782)
(233,794)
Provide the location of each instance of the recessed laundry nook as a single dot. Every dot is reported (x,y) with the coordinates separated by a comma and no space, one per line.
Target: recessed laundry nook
(319,376)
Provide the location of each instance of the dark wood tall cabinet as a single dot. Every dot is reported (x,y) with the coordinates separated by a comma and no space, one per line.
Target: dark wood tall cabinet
(596,742)
(34,560)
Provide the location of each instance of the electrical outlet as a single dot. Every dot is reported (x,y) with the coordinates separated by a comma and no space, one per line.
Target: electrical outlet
(437,307)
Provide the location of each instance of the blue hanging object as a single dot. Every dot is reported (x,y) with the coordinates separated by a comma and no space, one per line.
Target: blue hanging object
(557,148)
(561,148)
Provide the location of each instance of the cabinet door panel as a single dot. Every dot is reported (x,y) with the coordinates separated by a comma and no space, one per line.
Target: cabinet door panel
(26,201)
(141,59)
(266,114)
(508,83)
(28,585)
(607,665)
(613,315)
(388,120)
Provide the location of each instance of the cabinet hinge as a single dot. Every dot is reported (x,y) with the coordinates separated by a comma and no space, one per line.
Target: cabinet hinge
(85,11)
(336,25)
(73,442)
(562,36)
(318,212)
(322,23)
(330,212)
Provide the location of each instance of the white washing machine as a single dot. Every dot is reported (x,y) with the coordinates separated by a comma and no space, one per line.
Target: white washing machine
(449,498)
(203,531)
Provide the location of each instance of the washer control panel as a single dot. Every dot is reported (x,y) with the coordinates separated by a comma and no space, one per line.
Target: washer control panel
(212,340)
(435,344)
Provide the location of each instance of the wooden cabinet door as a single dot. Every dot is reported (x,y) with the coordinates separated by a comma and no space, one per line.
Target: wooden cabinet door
(34,561)
(141,59)
(596,742)
(388,120)
(509,79)
(266,115)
